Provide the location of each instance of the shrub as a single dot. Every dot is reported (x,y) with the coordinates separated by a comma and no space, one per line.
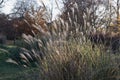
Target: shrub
(108,40)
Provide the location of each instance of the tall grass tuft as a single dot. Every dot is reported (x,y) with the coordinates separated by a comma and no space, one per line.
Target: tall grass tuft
(73,61)
(64,53)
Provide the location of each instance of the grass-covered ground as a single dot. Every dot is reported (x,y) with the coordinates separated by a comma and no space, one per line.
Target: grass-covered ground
(10,71)
(7,70)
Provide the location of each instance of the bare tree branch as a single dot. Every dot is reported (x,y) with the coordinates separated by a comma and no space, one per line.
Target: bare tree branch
(1,2)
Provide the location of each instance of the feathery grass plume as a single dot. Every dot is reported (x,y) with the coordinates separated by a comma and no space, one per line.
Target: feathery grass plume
(76,61)
(66,54)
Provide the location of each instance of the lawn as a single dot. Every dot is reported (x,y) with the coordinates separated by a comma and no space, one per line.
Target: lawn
(10,71)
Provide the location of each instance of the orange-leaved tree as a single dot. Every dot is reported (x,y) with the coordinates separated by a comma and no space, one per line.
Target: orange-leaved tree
(30,23)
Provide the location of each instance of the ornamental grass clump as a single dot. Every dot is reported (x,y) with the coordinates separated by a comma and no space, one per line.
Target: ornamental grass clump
(64,52)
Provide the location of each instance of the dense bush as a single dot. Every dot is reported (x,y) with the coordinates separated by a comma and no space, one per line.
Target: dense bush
(108,40)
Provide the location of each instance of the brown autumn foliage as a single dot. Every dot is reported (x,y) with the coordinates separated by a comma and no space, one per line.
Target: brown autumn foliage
(15,27)
(29,24)
(21,26)
(109,40)
(6,27)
